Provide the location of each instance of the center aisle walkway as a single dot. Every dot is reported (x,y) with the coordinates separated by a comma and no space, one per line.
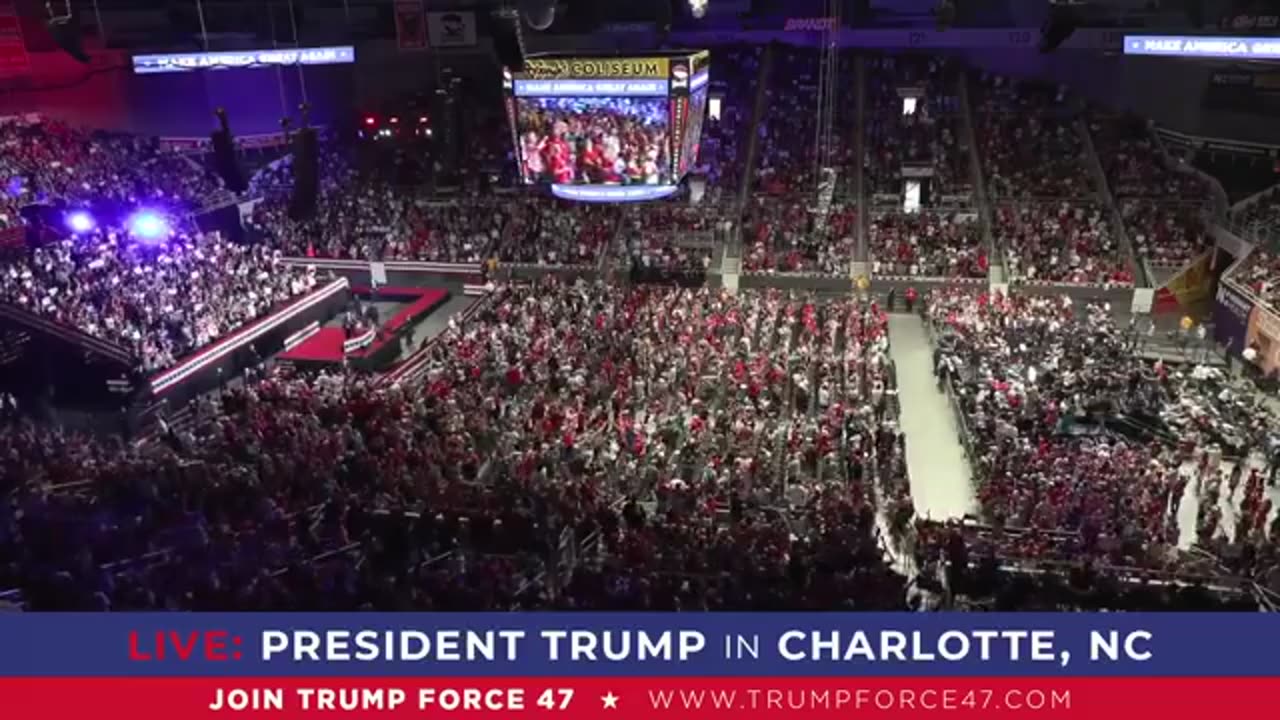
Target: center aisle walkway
(940,479)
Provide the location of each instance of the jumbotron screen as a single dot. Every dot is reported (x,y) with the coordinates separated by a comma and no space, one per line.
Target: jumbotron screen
(607,129)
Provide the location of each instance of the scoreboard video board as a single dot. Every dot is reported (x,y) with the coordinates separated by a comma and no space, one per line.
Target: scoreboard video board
(607,129)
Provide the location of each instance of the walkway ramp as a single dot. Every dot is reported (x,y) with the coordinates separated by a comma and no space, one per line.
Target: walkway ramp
(941,483)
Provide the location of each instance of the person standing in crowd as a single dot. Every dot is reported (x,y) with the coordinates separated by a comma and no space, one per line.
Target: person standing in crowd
(911,298)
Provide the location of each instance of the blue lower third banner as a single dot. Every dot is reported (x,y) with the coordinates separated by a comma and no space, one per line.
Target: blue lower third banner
(628,666)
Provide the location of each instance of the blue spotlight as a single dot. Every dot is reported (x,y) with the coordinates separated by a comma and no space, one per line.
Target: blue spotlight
(148,226)
(80,222)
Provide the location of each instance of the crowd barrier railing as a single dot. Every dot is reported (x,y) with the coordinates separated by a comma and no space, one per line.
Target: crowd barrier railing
(413,367)
(166,380)
(78,338)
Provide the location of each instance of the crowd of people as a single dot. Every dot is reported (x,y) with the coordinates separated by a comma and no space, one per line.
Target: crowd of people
(1167,234)
(1085,451)
(1060,242)
(365,216)
(1161,206)
(673,237)
(630,446)
(788,156)
(927,245)
(557,232)
(788,235)
(46,162)
(571,446)
(159,302)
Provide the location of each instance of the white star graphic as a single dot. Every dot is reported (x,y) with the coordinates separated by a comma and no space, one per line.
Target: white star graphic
(610,701)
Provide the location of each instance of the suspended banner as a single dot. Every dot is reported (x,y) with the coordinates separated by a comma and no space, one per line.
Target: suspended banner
(411,25)
(1205,46)
(451,29)
(189,62)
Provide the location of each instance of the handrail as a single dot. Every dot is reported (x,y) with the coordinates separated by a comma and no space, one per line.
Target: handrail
(1255,198)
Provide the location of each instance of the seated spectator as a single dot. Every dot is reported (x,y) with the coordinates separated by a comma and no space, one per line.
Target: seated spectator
(927,244)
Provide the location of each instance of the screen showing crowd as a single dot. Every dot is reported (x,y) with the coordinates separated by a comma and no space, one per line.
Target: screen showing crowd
(595,140)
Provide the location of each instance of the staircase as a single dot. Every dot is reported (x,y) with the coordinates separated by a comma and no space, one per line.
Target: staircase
(997,273)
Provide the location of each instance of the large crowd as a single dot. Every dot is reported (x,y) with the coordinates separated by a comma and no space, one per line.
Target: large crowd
(1161,206)
(711,451)
(927,245)
(157,298)
(1085,451)
(1061,242)
(608,445)
(158,302)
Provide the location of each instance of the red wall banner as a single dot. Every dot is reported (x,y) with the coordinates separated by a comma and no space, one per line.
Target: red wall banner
(411,25)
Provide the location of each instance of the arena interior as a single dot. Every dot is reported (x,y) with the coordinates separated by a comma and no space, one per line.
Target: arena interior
(958,306)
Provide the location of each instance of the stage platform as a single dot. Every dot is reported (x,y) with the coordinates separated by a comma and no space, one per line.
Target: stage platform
(319,346)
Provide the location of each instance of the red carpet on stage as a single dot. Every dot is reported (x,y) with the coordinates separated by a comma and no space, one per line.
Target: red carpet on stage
(326,345)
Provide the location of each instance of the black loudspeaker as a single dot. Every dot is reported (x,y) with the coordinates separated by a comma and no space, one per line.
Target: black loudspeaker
(1059,26)
(65,31)
(225,160)
(305,175)
(507,42)
(225,220)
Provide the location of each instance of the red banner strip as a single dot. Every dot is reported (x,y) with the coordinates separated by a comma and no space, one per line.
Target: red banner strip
(640,698)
